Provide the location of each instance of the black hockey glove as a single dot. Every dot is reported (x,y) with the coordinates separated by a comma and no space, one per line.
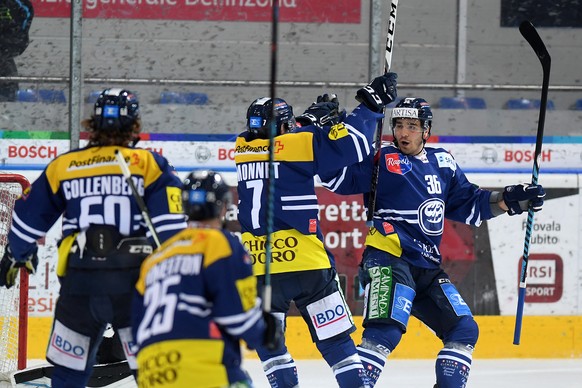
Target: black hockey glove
(9,267)
(325,111)
(378,93)
(273,339)
(519,198)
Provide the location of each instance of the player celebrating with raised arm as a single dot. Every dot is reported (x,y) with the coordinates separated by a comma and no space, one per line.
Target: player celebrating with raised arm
(197,297)
(302,270)
(104,236)
(400,270)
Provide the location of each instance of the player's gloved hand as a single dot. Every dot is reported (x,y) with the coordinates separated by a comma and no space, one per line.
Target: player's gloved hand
(9,267)
(378,93)
(273,338)
(520,197)
(325,111)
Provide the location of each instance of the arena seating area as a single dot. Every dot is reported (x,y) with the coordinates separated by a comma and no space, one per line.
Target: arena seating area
(56,96)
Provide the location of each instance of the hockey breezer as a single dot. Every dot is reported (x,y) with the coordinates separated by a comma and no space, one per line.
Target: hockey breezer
(530,34)
(387,65)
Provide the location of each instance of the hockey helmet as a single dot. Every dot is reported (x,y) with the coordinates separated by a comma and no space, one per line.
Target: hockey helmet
(116,109)
(260,113)
(413,108)
(204,194)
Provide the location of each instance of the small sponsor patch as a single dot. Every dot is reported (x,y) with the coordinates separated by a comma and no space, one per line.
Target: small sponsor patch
(455,299)
(379,292)
(330,316)
(255,122)
(402,306)
(68,348)
(388,228)
(397,163)
(129,346)
(174,195)
(338,131)
(312,225)
(445,160)
(247,291)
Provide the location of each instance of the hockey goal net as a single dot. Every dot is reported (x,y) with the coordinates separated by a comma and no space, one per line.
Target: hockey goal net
(13,301)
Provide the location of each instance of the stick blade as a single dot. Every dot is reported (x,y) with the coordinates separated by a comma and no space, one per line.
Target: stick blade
(529,32)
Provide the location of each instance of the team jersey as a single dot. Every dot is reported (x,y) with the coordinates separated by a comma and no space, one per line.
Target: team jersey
(86,187)
(297,240)
(414,195)
(196,296)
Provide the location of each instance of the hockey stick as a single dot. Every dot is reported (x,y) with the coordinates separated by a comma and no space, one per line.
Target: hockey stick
(378,144)
(267,290)
(140,203)
(531,35)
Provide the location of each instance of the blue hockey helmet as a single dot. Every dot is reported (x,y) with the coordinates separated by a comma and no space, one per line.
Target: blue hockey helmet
(204,194)
(260,113)
(413,108)
(116,109)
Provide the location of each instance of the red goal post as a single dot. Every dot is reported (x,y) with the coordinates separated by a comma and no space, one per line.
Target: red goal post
(13,301)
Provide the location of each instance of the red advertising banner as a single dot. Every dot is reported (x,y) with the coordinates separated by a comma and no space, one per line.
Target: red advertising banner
(545,278)
(297,11)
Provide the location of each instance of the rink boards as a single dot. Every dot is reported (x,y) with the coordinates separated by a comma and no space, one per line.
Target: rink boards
(541,337)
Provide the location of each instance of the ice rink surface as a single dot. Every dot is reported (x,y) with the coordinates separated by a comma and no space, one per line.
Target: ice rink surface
(510,373)
(494,373)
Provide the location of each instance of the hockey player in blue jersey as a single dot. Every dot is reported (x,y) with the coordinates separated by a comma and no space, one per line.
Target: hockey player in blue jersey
(302,269)
(104,236)
(197,297)
(400,271)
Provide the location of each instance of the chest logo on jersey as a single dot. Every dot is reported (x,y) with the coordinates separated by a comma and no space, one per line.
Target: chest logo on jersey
(431,217)
(397,163)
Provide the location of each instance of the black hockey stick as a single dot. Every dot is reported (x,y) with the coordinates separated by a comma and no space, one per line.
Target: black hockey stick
(531,35)
(142,206)
(378,143)
(267,290)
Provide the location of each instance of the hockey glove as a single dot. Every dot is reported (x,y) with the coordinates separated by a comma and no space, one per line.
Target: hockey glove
(325,111)
(273,338)
(519,197)
(9,267)
(378,93)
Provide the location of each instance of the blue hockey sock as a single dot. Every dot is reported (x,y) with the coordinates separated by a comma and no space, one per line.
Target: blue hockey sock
(373,360)
(452,367)
(341,355)
(378,341)
(68,378)
(350,372)
(281,371)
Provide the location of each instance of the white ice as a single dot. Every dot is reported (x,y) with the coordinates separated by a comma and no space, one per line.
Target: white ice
(497,373)
(493,373)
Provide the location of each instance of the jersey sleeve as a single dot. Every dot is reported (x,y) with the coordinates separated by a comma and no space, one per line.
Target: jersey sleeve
(353,179)
(33,216)
(346,143)
(163,198)
(467,202)
(236,305)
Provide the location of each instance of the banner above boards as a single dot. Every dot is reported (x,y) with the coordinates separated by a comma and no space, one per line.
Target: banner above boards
(299,11)
(217,152)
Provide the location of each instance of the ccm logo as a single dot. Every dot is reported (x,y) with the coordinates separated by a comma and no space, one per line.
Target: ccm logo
(140,249)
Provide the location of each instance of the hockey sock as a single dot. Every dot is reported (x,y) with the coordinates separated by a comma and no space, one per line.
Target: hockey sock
(281,371)
(373,360)
(341,355)
(452,366)
(378,341)
(350,372)
(67,378)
